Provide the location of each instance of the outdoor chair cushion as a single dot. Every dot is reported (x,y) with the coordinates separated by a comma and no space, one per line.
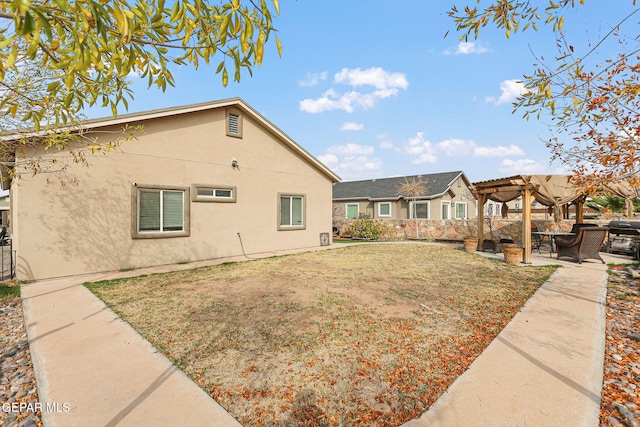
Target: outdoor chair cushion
(585,244)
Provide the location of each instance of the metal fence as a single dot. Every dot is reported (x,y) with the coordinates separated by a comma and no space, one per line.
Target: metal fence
(7,260)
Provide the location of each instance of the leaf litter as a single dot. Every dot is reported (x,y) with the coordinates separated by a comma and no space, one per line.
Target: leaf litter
(364,335)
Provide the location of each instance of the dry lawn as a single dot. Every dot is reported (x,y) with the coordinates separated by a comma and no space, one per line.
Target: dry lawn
(360,335)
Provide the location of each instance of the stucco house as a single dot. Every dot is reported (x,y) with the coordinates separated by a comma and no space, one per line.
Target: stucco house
(201,182)
(447,196)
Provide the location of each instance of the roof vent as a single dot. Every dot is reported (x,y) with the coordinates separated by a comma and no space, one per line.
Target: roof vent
(234,124)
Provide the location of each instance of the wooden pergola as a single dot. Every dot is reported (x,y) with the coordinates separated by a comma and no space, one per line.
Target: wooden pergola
(550,190)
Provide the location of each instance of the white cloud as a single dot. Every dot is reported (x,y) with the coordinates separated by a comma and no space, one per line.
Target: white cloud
(424,151)
(350,149)
(351,126)
(313,79)
(466,48)
(386,85)
(456,146)
(330,100)
(499,151)
(511,89)
(330,160)
(351,161)
(521,166)
(384,141)
(376,77)
(421,149)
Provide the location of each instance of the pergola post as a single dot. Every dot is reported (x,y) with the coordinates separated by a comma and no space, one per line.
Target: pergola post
(580,211)
(482,200)
(526,225)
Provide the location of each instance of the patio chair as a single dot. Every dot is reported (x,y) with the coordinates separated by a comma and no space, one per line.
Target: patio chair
(576,227)
(496,246)
(585,244)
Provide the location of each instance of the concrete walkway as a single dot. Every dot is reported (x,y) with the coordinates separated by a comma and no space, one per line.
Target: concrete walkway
(545,367)
(92,369)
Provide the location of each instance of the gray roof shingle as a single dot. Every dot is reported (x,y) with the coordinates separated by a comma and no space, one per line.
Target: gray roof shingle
(387,188)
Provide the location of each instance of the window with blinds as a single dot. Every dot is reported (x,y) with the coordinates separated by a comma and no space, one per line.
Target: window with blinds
(352,210)
(160,212)
(384,209)
(291,212)
(419,210)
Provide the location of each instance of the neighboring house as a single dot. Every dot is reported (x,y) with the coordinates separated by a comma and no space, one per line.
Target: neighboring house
(447,196)
(202,182)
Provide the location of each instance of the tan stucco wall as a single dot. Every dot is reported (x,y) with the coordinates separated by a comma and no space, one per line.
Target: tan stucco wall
(83,228)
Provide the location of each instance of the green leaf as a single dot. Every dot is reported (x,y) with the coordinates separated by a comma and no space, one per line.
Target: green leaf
(6,42)
(225,77)
(44,23)
(64,5)
(22,6)
(27,25)
(11,59)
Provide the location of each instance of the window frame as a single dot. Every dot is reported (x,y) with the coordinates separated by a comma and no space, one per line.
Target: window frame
(381,215)
(346,210)
(228,122)
(195,197)
(290,226)
(466,211)
(136,233)
(445,204)
(420,202)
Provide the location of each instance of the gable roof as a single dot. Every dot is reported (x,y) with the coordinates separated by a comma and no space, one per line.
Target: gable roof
(387,188)
(237,103)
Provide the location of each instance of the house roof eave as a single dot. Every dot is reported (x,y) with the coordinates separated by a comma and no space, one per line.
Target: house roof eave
(175,111)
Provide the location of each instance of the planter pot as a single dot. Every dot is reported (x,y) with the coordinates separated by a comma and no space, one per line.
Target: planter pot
(513,254)
(470,244)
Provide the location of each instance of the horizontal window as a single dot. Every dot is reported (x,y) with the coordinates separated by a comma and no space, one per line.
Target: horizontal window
(160,212)
(213,193)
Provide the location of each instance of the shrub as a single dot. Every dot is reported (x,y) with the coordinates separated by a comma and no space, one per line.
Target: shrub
(366,227)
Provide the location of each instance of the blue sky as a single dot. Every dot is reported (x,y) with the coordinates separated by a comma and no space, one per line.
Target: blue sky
(374,89)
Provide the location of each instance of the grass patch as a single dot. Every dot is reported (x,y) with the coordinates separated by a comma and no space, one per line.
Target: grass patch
(9,291)
(359,335)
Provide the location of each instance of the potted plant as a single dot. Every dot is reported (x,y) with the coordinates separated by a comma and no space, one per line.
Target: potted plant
(470,238)
(512,253)
(471,243)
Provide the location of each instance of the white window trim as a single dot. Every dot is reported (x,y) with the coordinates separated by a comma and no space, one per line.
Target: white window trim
(195,197)
(303,226)
(135,212)
(346,210)
(447,204)
(381,215)
(420,202)
(466,210)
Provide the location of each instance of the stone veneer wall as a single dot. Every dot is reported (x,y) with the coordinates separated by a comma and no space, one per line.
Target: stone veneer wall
(457,229)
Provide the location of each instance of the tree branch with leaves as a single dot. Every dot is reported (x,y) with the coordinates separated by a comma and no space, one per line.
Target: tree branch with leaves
(593,102)
(58,57)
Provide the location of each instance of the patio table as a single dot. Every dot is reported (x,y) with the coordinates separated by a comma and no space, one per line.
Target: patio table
(552,236)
